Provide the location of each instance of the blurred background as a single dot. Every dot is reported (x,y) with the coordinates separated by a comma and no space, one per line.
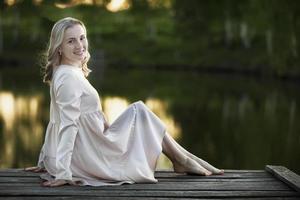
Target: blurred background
(224,75)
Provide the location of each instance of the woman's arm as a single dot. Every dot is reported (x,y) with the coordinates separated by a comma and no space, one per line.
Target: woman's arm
(67,90)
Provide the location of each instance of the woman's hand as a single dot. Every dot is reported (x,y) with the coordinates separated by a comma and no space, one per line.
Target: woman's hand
(35,169)
(56,183)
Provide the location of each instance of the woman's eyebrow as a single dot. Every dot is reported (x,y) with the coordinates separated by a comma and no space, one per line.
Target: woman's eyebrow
(71,38)
(75,37)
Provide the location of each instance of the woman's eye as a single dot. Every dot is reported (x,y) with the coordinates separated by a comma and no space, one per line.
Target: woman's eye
(70,41)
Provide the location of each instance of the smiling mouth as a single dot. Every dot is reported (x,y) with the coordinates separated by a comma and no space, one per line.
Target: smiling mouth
(79,53)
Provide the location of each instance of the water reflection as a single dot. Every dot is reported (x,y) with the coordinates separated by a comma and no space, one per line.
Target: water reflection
(233,122)
(160,108)
(22,130)
(114,106)
(7,111)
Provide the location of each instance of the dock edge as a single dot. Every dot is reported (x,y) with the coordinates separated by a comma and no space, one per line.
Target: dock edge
(284,174)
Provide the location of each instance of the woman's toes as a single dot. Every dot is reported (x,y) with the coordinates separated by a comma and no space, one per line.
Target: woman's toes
(190,166)
(196,168)
(208,173)
(219,172)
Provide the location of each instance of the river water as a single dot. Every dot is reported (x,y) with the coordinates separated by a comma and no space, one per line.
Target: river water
(232,121)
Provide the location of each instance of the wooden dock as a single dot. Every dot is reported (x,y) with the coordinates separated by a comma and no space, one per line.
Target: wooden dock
(275,182)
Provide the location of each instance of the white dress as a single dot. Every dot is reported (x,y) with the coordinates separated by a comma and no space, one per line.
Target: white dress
(77,148)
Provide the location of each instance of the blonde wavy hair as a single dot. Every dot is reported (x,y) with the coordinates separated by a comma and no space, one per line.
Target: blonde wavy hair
(52,58)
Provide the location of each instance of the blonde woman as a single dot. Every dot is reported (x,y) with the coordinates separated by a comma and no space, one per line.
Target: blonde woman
(80,146)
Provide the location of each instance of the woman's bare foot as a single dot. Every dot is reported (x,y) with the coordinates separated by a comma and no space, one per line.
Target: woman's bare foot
(206,165)
(189,165)
(184,161)
(201,162)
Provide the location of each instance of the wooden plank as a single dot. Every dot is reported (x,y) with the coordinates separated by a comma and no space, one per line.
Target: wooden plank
(185,186)
(290,178)
(230,174)
(226,170)
(163,175)
(20,180)
(123,193)
(157,171)
(138,198)
(217,180)
(234,184)
(224,176)
(170,180)
(244,171)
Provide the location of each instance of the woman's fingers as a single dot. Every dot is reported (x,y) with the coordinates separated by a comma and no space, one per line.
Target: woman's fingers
(57,183)
(40,170)
(46,183)
(31,168)
(54,183)
(35,169)
(74,183)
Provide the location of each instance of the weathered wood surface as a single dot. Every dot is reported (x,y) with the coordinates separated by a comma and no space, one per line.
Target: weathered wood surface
(286,175)
(16,184)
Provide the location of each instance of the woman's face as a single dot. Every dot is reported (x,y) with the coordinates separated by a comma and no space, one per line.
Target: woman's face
(74,45)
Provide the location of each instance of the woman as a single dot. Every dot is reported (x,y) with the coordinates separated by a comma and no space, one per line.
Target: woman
(80,146)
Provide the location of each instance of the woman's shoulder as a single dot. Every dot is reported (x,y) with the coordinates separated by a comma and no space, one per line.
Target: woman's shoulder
(64,73)
(63,70)
(67,69)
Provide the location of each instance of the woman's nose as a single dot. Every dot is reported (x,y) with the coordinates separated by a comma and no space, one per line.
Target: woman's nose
(78,44)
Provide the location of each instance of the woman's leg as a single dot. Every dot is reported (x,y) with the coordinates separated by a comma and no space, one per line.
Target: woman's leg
(197,159)
(181,162)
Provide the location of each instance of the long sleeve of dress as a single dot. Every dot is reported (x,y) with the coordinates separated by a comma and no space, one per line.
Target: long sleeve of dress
(41,157)
(68,98)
